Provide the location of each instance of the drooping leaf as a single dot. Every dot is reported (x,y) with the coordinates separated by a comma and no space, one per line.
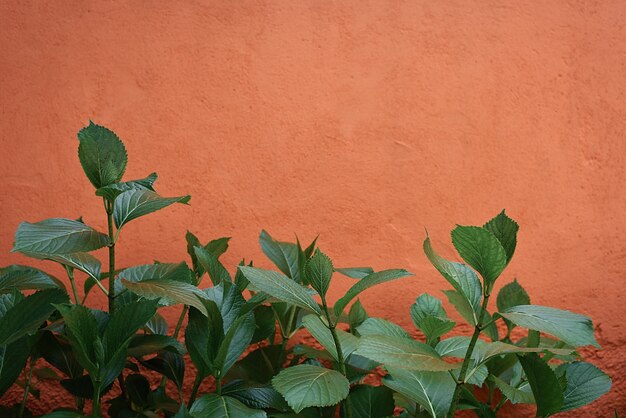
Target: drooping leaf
(209,263)
(84,262)
(367,282)
(433,391)
(544,384)
(102,155)
(283,254)
(169,292)
(319,271)
(505,230)
(585,384)
(468,296)
(26,278)
(481,250)
(371,401)
(281,287)
(57,236)
(305,385)
(401,353)
(112,191)
(574,329)
(132,204)
(27,315)
(215,406)
(355,272)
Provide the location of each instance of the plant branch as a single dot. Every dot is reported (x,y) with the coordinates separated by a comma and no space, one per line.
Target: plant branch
(27,386)
(70,275)
(109,209)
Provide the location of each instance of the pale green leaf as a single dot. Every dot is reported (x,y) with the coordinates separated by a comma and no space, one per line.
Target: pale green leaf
(355,272)
(319,330)
(379,326)
(58,236)
(169,292)
(585,384)
(521,394)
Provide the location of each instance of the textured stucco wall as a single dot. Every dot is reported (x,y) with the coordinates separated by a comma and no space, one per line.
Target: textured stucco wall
(361,121)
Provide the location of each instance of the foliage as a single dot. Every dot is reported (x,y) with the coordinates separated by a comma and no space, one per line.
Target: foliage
(241,328)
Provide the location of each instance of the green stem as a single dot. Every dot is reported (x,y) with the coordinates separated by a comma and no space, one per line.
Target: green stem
(112,237)
(468,356)
(70,275)
(96,409)
(26,386)
(342,363)
(194,390)
(218,385)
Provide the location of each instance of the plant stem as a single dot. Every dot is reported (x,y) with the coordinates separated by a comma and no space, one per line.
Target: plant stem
(70,274)
(194,390)
(109,209)
(342,364)
(218,385)
(26,386)
(96,409)
(468,356)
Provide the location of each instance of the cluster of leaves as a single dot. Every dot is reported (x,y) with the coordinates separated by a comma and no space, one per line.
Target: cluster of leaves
(239,328)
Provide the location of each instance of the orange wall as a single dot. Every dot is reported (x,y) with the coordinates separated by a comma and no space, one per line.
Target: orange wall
(361,121)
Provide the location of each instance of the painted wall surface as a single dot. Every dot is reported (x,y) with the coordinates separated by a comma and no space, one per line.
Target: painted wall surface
(361,121)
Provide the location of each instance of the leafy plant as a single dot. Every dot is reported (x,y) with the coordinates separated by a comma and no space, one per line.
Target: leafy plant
(245,332)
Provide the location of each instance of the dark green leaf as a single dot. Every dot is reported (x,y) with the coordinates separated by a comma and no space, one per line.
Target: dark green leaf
(544,384)
(481,250)
(235,342)
(229,301)
(144,344)
(265,324)
(209,263)
(357,315)
(255,396)
(12,361)
(505,230)
(203,336)
(320,331)
(165,271)
(137,389)
(319,271)
(169,292)
(82,332)
(283,254)
(371,402)
(512,294)
(57,351)
(170,365)
(101,154)
(112,191)
(58,236)
(26,278)
(258,366)
(132,204)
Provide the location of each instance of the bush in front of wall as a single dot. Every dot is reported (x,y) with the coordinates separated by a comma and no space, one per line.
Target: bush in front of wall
(240,330)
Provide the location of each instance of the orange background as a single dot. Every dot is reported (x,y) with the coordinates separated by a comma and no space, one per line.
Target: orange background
(361,121)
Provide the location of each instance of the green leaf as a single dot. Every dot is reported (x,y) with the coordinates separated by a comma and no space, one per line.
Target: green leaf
(367,282)
(203,337)
(255,396)
(26,278)
(319,330)
(429,316)
(433,391)
(132,204)
(512,294)
(144,344)
(209,263)
(481,250)
(55,349)
(355,272)
(283,254)
(356,316)
(12,361)
(235,342)
(585,384)
(401,353)
(281,287)
(574,329)
(319,271)
(101,154)
(112,191)
(217,247)
(163,271)
(26,316)
(265,323)
(84,262)
(170,365)
(215,406)
(379,326)
(82,332)
(229,301)
(259,365)
(57,236)
(521,394)
(505,230)
(169,291)
(371,401)
(305,385)
(468,296)
(544,384)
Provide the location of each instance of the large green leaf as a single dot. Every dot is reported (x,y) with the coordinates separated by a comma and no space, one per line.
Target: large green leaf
(574,329)
(283,254)
(371,401)
(26,278)
(367,282)
(319,270)
(215,406)
(432,390)
(26,316)
(306,385)
(319,330)
(281,287)
(255,396)
(401,353)
(481,250)
(82,332)
(468,295)
(169,292)
(505,230)
(379,326)
(101,154)
(57,236)
(585,384)
(203,337)
(132,204)
(235,342)
(112,191)
(164,271)
(55,349)
(170,365)
(544,383)
(84,262)
(217,247)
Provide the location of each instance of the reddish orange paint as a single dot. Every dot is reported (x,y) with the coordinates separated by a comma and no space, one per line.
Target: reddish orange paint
(363,122)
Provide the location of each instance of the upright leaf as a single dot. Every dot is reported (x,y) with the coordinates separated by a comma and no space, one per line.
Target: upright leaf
(544,384)
(367,282)
(203,336)
(132,204)
(357,315)
(512,294)
(481,250)
(283,254)
(58,236)
(305,385)
(319,270)
(235,342)
(281,287)
(101,154)
(82,332)
(12,361)
(209,263)
(505,230)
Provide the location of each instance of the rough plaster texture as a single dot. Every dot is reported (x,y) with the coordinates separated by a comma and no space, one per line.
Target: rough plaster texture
(361,121)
